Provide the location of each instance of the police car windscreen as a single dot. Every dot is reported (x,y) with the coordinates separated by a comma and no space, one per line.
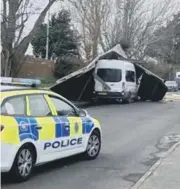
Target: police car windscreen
(110,75)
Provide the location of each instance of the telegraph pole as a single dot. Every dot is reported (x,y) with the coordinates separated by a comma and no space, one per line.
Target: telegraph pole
(47,36)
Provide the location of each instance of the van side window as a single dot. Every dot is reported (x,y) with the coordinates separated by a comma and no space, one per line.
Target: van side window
(130,76)
(14,106)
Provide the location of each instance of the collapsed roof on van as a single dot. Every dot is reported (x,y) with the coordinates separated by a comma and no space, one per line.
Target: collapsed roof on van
(79,85)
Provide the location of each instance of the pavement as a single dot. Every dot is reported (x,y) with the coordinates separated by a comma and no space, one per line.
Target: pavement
(135,137)
(165,175)
(172,96)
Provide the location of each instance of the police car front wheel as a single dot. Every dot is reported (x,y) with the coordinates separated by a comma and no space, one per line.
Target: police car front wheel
(23,164)
(94,145)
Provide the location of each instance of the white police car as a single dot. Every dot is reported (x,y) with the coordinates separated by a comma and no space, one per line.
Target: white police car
(39,126)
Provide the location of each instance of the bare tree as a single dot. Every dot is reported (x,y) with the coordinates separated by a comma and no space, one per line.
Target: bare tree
(92,17)
(15,14)
(166,44)
(135,21)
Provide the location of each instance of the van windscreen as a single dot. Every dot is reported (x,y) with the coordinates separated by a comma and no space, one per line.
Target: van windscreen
(110,75)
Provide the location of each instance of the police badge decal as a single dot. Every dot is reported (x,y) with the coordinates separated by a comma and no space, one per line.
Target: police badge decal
(24,126)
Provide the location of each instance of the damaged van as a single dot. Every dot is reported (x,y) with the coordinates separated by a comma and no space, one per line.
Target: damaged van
(82,85)
(115,79)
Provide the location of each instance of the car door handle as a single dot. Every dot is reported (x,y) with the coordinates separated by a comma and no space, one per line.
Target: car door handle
(39,127)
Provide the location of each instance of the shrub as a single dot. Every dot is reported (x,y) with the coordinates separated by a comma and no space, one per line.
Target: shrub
(66,65)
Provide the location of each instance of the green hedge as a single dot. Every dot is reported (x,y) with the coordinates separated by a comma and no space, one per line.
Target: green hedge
(47,82)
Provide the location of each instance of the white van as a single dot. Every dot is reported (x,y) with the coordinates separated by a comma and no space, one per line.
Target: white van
(115,79)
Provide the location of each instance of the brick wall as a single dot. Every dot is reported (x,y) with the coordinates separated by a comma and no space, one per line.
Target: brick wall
(32,69)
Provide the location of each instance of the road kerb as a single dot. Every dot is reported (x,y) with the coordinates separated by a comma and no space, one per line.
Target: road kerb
(154,167)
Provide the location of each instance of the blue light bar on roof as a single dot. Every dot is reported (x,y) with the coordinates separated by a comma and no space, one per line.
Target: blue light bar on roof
(20,81)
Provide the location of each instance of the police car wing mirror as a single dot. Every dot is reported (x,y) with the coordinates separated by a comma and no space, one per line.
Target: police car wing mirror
(82,113)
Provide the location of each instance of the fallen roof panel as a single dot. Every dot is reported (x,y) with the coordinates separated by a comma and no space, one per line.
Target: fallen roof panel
(152,87)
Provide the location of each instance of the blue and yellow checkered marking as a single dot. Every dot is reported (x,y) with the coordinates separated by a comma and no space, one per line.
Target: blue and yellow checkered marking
(53,127)
(88,125)
(27,128)
(61,127)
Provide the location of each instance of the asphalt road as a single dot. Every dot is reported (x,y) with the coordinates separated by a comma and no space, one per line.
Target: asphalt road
(134,137)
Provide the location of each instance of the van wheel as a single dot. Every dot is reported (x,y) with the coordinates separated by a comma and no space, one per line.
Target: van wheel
(143,99)
(23,164)
(128,99)
(93,146)
(136,99)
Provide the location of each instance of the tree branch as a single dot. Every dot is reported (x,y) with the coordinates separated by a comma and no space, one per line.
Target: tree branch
(4,22)
(23,45)
(21,26)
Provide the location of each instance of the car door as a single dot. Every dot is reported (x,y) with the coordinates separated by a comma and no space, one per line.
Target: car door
(13,115)
(18,128)
(69,126)
(40,115)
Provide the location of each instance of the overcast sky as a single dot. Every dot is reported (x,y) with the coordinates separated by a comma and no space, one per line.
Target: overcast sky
(58,6)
